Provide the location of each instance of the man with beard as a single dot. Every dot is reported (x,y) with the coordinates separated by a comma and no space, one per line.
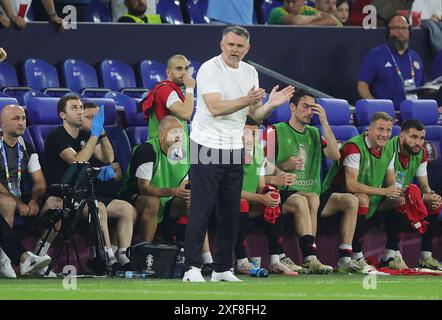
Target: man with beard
(410,163)
(136,12)
(167,97)
(390,69)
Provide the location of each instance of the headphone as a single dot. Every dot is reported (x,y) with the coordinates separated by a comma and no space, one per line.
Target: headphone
(387,31)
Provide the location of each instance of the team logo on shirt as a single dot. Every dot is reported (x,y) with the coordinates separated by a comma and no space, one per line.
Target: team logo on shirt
(388,65)
(82,143)
(417,65)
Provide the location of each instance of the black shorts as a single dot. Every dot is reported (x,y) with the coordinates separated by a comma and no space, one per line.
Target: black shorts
(325,196)
(285,194)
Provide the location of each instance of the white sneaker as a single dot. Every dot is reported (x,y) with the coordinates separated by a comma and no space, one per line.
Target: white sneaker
(227,276)
(279,267)
(33,262)
(193,275)
(6,270)
(360,266)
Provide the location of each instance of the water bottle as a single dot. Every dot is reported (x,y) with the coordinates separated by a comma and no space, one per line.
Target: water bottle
(131,274)
(180,265)
(259,273)
(400,179)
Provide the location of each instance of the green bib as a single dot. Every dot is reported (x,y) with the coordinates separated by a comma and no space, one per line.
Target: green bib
(372,170)
(252,171)
(167,173)
(413,164)
(151,18)
(307,145)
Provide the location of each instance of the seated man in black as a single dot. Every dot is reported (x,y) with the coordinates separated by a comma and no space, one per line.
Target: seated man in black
(19,163)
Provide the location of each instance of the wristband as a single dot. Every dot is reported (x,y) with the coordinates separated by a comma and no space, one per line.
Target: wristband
(189,90)
(104,135)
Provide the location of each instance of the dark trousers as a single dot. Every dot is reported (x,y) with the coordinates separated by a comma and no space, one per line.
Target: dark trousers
(10,242)
(214,186)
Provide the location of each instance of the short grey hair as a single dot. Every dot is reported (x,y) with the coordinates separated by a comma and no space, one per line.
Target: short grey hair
(238,30)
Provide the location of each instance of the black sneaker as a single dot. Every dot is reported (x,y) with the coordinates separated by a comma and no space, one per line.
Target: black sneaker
(97,266)
(207,269)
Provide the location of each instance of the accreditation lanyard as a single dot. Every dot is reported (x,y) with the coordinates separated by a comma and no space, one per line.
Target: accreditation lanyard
(397,67)
(5,159)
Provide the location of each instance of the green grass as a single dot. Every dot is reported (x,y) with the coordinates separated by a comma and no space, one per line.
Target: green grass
(336,287)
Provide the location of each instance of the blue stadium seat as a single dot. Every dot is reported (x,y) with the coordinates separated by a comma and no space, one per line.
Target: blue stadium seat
(170,10)
(365,108)
(151,72)
(7,100)
(264,9)
(427,112)
(43,117)
(137,135)
(115,132)
(136,130)
(197,10)
(99,11)
(337,111)
(119,76)
(196,66)
(280,114)
(31,94)
(42,76)
(80,77)
(9,82)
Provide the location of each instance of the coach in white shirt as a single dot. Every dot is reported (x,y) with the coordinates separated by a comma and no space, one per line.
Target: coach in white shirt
(228,90)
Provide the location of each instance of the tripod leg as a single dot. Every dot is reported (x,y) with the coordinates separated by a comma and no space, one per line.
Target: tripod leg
(94,212)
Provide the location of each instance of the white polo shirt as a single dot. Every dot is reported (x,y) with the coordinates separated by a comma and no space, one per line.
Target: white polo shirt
(214,76)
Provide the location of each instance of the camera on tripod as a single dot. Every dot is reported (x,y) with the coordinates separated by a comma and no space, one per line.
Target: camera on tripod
(76,182)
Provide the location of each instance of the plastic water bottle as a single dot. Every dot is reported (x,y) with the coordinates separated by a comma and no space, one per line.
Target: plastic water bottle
(180,265)
(131,274)
(259,273)
(400,179)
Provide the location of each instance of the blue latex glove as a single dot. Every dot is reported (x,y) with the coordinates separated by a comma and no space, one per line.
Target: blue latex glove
(106,173)
(97,123)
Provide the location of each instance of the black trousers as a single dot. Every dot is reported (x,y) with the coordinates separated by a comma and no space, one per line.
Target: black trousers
(215,185)
(10,242)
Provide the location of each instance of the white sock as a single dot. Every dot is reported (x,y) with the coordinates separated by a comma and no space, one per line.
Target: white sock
(424,254)
(282,256)
(357,255)
(398,253)
(242,261)
(344,260)
(389,254)
(308,258)
(3,256)
(111,256)
(44,249)
(207,257)
(122,258)
(274,258)
(114,248)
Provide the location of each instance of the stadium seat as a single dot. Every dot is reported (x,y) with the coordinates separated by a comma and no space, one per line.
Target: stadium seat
(137,135)
(427,112)
(151,72)
(7,100)
(30,94)
(338,116)
(365,108)
(197,10)
(81,77)
(196,66)
(43,117)
(99,11)
(170,10)
(119,76)
(264,9)
(42,76)
(280,114)
(9,82)
(115,132)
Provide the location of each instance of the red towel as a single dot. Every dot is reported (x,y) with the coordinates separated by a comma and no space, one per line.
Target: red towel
(415,208)
(271,214)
